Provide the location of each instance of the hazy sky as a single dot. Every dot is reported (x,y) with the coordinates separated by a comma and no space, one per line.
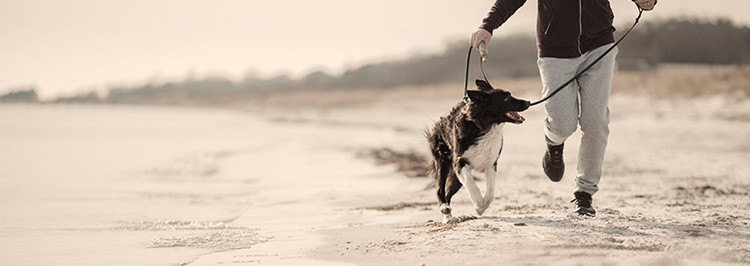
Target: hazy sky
(69,46)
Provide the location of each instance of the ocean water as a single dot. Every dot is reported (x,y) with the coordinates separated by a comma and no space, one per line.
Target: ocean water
(124,185)
(102,185)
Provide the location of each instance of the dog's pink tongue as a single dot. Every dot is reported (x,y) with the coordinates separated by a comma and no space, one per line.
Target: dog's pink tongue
(520,117)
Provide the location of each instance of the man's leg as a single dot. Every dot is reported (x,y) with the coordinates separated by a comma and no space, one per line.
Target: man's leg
(561,109)
(595,86)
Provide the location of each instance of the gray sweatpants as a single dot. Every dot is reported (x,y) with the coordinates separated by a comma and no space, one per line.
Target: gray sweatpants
(585,103)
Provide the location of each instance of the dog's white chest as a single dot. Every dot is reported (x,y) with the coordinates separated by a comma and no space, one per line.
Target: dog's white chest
(484,153)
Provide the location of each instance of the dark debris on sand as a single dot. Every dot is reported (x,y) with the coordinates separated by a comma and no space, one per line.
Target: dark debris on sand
(409,163)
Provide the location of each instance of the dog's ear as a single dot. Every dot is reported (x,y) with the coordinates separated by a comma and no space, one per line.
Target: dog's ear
(477,96)
(483,85)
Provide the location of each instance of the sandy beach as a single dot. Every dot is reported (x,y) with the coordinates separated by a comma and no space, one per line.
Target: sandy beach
(297,180)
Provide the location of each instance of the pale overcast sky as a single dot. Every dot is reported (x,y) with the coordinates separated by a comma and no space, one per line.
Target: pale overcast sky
(65,47)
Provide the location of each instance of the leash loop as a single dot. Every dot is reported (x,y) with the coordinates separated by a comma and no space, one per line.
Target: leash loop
(466,77)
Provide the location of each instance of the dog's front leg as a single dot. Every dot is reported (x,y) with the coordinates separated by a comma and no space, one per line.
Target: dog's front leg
(471,186)
(489,194)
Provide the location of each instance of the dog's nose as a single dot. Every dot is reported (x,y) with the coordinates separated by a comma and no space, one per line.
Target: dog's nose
(526,104)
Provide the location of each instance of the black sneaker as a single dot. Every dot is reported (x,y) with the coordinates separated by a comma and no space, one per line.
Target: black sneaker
(583,202)
(553,163)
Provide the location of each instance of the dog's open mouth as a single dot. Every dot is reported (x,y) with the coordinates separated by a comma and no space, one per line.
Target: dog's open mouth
(517,118)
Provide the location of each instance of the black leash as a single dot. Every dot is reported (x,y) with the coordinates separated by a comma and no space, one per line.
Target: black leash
(466,78)
(468,59)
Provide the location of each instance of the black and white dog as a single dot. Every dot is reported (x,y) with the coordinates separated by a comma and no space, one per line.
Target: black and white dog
(468,141)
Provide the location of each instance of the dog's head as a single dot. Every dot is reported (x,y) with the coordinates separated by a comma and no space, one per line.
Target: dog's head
(489,106)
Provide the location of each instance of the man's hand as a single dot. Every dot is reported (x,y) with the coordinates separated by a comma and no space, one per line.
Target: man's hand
(646,4)
(479,36)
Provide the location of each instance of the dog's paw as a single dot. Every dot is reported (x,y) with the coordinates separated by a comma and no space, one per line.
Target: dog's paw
(480,210)
(445,209)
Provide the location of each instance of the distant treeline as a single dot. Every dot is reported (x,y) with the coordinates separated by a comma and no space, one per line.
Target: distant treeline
(676,40)
(25,94)
(689,40)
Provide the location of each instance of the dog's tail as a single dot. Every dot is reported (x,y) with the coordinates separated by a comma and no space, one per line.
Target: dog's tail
(427,132)
(432,172)
(432,168)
